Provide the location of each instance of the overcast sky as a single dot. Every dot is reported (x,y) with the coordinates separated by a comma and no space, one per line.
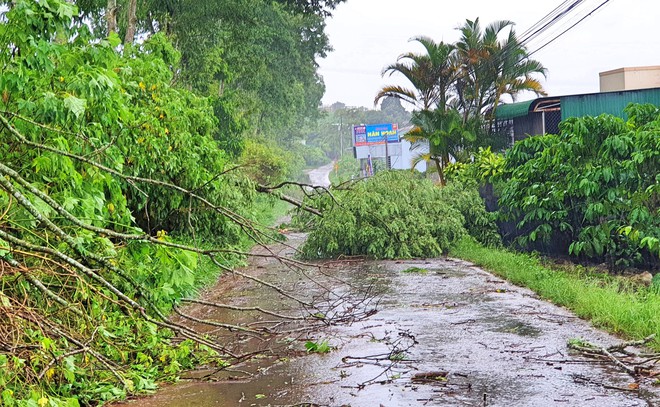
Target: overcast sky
(367,35)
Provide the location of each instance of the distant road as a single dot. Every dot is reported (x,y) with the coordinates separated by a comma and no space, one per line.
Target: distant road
(320,176)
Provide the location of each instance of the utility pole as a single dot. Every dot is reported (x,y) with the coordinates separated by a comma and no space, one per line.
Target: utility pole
(387,154)
(341,141)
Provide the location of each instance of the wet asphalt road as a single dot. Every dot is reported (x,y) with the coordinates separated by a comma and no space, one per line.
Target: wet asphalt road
(450,335)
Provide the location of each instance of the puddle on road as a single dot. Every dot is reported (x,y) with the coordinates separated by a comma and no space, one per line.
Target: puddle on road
(514,326)
(491,356)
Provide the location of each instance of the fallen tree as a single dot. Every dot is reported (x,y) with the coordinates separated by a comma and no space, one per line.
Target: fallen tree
(115,203)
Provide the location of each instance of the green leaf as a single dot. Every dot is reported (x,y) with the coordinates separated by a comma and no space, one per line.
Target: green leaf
(4,301)
(114,39)
(75,105)
(4,248)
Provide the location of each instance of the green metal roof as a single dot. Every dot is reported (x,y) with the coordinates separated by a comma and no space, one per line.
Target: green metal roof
(511,110)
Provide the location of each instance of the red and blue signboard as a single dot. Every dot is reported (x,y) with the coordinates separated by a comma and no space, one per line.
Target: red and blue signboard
(372,134)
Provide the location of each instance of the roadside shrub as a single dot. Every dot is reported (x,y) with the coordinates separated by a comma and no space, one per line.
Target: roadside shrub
(266,163)
(479,223)
(594,186)
(486,167)
(314,156)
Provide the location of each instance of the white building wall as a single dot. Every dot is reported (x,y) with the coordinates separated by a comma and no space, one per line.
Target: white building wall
(642,77)
(400,154)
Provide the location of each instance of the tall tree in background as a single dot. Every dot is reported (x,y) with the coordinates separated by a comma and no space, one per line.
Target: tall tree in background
(321,8)
(131,22)
(111,16)
(456,87)
(256,58)
(394,111)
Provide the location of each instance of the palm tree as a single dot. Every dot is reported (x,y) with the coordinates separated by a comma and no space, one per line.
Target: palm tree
(516,71)
(446,135)
(431,75)
(491,67)
(455,85)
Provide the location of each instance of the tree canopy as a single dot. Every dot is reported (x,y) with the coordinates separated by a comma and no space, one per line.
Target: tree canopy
(257,59)
(120,164)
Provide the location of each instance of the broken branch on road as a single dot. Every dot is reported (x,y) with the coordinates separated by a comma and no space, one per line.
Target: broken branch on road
(590,349)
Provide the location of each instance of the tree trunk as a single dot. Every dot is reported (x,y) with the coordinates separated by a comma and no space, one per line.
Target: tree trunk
(441,173)
(132,22)
(111,16)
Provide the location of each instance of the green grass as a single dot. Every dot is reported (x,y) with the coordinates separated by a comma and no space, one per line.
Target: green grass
(270,209)
(608,302)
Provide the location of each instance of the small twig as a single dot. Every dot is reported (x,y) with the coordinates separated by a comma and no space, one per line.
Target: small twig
(620,347)
(593,350)
(228,327)
(234,308)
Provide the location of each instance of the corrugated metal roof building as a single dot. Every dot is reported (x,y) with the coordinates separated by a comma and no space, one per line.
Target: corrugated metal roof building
(542,115)
(594,104)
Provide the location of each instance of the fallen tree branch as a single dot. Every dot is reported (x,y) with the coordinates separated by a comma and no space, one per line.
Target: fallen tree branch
(295,202)
(229,327)
(594,350)
(234,308)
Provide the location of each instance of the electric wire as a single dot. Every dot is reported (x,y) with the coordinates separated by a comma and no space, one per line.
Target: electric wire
(550,19)
(547,17)
(565,10)
(569,28)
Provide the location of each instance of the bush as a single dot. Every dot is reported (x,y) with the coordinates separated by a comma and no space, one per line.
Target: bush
(595,186)
(314,156)
(479,223)
(267,164)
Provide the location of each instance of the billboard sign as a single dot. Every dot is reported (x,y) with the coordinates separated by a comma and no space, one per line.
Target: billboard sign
(371,134)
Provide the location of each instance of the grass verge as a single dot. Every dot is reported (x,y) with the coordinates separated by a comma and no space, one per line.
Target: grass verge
(611,303)
(345,169)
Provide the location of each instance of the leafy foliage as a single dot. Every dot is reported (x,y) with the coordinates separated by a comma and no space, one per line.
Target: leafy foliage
(447,137)
(318,346)
(101,158)
(595,186)
(267,164)
(396,214)
(486,167)
(479,224)
(122,110)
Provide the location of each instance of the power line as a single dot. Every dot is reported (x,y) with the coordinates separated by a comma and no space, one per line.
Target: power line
(554,17)
(568,29)
(545,18)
